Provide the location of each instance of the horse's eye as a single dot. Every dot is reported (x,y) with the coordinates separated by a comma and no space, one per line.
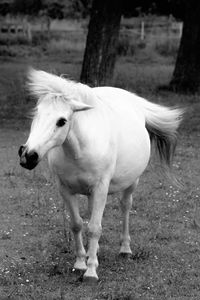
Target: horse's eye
(61,122)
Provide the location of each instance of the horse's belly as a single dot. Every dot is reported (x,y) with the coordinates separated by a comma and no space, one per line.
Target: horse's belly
(130,164)
(126,178)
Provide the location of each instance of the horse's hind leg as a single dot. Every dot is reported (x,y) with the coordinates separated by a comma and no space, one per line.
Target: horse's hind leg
(126,204)
(76,227)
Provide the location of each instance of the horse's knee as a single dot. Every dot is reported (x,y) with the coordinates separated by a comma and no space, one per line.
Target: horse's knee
(94,230)
(77,226)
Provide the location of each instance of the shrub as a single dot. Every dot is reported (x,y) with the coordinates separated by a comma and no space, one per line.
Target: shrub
(13,40)
(7,51)
(40,38)
(125,46)
(167,47)
(65,45)
(141,44)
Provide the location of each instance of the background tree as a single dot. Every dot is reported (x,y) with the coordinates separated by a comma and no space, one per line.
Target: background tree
(102,38)
(104,25)
(186,76)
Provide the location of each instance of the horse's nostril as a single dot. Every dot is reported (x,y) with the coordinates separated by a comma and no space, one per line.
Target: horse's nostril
(21,150)
(33,156)
(28,160)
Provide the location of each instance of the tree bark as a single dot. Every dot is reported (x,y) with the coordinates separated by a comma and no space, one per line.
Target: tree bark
(186,76)
(100,53)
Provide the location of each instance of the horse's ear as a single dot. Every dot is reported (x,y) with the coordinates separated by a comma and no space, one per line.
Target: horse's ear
(79,106)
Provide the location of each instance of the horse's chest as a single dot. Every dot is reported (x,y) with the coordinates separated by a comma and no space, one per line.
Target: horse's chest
(73,174)
(77,180)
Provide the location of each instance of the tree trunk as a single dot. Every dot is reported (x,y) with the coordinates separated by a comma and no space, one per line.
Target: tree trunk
(186,76)
(100,53)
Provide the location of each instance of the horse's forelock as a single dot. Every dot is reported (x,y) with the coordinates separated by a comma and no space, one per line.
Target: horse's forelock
(41,83)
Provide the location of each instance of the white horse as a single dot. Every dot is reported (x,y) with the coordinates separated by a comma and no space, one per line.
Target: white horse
(98,142)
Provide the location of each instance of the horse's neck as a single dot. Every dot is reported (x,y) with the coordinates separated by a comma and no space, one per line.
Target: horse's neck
(84,124)
(84,128)
(88,96)
(72,145)
(77,136)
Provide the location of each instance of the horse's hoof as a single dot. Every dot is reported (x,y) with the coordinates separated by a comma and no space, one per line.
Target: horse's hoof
(90,280)
(78,271)
(80,265)
(125,255)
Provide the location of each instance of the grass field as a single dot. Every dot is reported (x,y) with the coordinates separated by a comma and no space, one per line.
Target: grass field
(36,245)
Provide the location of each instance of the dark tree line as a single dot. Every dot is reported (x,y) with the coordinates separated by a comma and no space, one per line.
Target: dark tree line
(56,9)
(73,8)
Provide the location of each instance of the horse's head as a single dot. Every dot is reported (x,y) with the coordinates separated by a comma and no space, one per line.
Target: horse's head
(50,125)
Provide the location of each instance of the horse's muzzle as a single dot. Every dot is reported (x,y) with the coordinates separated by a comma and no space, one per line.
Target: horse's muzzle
(28,160)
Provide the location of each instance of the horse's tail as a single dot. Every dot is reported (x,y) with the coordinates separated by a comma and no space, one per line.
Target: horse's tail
(162,124)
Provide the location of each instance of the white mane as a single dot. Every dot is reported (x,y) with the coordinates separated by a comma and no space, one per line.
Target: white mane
(42,84)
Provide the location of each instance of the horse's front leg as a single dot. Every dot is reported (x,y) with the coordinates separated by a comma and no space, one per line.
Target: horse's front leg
(98,201)
(76,226)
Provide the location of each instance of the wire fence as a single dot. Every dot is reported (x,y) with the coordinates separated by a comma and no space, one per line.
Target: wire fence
(144,29)
(138,29)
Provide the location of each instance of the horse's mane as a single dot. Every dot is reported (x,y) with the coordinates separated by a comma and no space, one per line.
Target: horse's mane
(41,84)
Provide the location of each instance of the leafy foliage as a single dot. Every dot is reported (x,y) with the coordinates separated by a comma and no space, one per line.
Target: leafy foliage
(81,8)
(30,7)
(53,8)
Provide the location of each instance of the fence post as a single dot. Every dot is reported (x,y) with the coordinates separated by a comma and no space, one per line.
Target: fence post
(180,29)
(29,32)
(142,31)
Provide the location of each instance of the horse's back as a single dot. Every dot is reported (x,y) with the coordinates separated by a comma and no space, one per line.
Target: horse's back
(121,101)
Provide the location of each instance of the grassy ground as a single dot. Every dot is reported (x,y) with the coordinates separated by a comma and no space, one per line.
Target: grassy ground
(36,246)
